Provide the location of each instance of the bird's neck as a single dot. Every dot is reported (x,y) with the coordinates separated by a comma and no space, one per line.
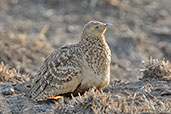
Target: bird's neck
(96,53)
(88,41)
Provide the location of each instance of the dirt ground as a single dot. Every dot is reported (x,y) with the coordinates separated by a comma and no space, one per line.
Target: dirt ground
(31,29)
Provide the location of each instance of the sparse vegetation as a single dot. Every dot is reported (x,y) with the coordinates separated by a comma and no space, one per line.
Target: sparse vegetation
(155,68)
(30,30)
(11,75)
(124,102)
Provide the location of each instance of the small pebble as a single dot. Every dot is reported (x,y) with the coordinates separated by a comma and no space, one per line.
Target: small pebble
(7,90)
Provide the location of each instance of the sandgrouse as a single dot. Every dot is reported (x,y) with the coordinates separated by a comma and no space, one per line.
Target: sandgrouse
(75,68)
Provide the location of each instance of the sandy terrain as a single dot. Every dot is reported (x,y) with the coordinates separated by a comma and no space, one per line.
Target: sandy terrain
(31,29)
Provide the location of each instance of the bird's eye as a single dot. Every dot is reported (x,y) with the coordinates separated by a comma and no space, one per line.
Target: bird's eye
(97,27)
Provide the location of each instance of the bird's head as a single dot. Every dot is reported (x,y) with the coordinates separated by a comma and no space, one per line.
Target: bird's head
(95,28)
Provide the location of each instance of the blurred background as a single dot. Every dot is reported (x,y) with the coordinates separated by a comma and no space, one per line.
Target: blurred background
(31,29)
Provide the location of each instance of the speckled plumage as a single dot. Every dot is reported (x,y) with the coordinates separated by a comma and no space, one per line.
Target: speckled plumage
(75,68)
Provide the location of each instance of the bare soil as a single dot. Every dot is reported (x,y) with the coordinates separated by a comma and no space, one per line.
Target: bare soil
(31,29)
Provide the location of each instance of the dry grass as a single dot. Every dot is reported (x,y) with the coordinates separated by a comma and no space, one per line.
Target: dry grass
(154,68)
(96,102)
(141,28)
(11,75)
(91,101)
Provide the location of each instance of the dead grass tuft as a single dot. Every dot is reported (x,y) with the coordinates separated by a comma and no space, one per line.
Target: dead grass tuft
(10,75)
(92,101)
(154,68)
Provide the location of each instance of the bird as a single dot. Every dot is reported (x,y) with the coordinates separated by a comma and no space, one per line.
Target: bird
(76,67)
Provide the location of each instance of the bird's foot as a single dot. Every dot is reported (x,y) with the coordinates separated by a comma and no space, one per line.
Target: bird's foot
(55,97)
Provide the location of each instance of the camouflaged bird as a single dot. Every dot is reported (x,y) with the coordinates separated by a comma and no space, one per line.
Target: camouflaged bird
(75,68)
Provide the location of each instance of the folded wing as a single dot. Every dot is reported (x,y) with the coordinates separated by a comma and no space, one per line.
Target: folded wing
(60,74)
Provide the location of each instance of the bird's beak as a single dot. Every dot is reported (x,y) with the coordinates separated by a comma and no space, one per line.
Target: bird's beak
(107,24)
